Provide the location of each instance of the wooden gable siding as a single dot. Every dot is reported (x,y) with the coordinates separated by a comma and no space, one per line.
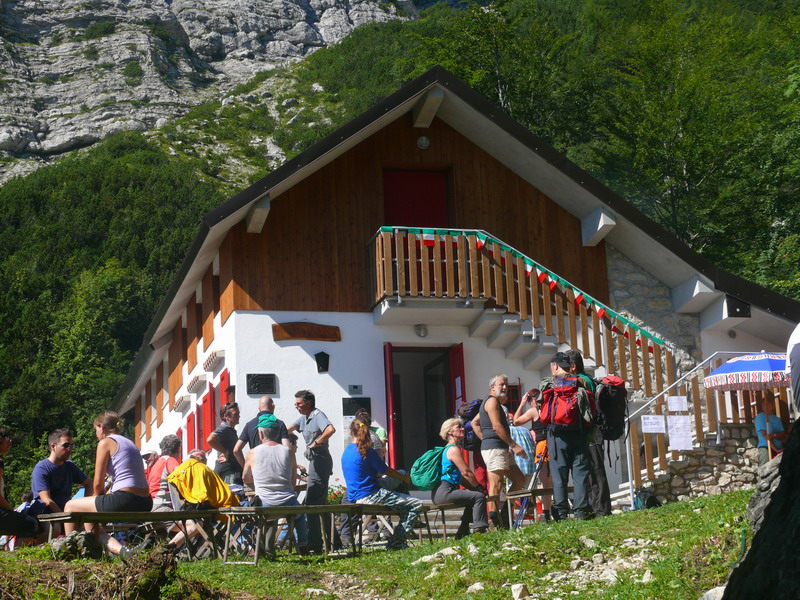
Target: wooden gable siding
(312,252)
(137,425)
(148,411)
(176,358)
(160,394)
(193,331)
(210,306)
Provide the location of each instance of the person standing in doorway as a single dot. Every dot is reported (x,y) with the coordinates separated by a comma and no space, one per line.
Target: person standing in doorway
(316,430)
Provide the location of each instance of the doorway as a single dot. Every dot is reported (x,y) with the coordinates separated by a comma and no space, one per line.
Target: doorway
(424,385)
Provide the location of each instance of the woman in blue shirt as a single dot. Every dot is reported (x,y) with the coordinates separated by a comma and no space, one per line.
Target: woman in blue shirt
(361,467)
(454,471)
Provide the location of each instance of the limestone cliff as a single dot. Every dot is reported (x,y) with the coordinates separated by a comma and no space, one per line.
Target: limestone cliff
(75,71)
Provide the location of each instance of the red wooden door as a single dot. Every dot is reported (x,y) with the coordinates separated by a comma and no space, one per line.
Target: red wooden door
(391,414)
(415,198)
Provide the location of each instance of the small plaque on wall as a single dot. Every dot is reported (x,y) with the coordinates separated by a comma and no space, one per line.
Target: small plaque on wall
(262,383)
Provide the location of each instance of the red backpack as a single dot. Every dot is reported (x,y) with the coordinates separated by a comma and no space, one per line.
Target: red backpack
(567,406)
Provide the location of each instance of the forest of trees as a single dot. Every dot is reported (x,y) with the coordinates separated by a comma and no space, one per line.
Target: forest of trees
(689,109)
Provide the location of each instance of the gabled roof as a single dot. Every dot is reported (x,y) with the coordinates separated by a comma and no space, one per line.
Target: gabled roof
(641,239)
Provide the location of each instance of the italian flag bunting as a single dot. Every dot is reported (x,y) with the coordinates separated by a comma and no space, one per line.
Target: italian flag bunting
(528,269)
(427,237)
(541,275)
(579,299)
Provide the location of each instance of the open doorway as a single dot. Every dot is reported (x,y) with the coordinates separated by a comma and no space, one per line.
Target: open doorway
(424,386)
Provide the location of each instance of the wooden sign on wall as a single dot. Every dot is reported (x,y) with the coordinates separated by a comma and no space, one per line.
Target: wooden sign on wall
(305,331)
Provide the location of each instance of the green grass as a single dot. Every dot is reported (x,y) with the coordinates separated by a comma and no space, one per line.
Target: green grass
(689,547)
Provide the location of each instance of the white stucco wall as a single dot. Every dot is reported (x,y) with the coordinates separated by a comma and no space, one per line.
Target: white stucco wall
(356,360)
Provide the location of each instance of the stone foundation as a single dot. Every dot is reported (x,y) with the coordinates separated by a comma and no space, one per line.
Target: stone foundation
(711,468)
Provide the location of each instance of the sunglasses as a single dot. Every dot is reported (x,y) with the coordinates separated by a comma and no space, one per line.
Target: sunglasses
(66,445)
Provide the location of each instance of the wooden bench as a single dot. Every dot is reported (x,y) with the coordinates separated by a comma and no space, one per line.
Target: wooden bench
(248,526)
(203,518)
(441,509)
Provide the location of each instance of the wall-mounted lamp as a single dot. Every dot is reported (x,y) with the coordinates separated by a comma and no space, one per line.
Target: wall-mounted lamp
(421,330)
(423,142)
(323,361)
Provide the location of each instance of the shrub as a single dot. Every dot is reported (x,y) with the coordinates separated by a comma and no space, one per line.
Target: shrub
(98,30)
(133,72)
(91,53)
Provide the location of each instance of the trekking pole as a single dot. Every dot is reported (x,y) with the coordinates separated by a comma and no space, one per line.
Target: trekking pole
(523,508)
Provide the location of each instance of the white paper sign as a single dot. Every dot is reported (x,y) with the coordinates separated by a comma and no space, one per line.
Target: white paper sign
(677,403)
(680,432)
(653,424)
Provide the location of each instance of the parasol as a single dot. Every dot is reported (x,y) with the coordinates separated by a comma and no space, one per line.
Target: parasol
(760,371)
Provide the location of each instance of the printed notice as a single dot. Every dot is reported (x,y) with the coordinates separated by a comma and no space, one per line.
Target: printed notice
(680,432)
(677,404)
(653,424)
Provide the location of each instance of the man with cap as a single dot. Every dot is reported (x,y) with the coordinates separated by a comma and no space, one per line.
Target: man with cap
(567,445)
(249,434)
(270,468)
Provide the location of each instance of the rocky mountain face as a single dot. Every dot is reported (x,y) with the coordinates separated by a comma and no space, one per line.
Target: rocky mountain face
(75,71)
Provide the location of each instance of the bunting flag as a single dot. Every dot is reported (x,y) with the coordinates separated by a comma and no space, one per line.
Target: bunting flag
(618,323)
(541,275)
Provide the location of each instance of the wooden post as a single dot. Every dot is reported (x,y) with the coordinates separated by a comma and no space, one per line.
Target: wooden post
(559,312)
(548,310)
(598,344)
(623,359)
(511,296)
(413,267)
(463,265)
(698,411)
(388,270)
(646,373)
(449,266)
(608,336)
(571,324)
(378,268)
(497,266)
(522,288)
(425,266)
(399,242)
(635,359)
(583,315)
(438,282)
(636,461)
(711,406)
(474,273)
(535,310)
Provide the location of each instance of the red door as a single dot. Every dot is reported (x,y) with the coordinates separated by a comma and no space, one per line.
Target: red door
(391,415)
(415,198)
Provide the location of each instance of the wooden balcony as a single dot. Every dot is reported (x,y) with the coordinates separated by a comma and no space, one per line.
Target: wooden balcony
(471,265)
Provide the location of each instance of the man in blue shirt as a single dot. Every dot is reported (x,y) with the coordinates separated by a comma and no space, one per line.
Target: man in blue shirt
(769,430)
(54,478)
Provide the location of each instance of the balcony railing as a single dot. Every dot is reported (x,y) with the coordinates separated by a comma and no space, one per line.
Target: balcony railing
(471,264)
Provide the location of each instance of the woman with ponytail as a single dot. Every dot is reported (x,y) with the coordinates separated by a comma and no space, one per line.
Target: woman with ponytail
(118,457)
(362,467)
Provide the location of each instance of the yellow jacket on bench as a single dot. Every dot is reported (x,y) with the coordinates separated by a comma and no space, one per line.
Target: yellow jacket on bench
(197,483)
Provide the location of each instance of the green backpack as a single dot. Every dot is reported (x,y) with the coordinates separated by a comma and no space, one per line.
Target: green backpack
(426,472)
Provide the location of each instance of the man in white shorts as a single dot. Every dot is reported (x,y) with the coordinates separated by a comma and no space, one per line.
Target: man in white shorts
(491,425)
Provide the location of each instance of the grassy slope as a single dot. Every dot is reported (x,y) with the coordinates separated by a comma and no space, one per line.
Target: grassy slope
(688,545)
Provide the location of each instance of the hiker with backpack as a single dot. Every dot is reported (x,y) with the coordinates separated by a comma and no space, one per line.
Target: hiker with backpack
(497,447)
(455,471)
(568,411)
(599,494)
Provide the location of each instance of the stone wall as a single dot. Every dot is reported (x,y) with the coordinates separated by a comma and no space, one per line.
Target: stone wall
(643,299)
(712,469)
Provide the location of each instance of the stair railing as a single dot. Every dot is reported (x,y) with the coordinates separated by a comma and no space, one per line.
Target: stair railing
(470,264)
